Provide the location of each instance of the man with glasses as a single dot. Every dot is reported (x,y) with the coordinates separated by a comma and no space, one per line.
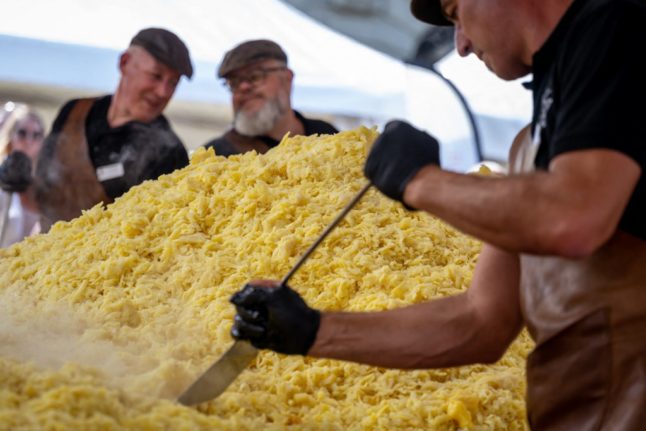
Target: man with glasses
(260,82)
(100,147)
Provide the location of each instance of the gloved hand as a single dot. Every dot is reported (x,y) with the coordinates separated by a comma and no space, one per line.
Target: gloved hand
(15,172)
(397,155)
(274,318)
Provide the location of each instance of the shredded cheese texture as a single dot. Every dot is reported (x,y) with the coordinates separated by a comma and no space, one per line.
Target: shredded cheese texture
(106,319)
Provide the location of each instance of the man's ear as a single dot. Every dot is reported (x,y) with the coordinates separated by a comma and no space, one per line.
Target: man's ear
(123,60)
(290,76)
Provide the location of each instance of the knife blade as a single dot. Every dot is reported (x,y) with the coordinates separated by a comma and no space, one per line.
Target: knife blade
(220,375)
(224,371)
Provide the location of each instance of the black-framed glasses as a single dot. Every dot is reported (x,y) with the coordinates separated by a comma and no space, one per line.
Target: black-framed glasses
(26,134)
(254,77)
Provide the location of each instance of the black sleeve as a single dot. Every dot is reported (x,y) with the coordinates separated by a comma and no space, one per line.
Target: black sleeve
(603,83)
(326,128)
(319,127)
(212,143)
(222,147)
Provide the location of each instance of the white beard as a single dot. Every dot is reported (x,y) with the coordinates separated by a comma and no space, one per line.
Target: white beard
(262,121)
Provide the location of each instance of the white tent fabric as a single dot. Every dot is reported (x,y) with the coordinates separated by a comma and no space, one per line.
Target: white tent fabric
(76,43)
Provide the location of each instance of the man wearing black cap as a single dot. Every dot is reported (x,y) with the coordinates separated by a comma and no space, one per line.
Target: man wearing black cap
(564,233)
(100,147)
(260,82)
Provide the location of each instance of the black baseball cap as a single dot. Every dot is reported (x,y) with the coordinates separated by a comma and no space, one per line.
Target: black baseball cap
(248,53)
(429,11)
(166,47)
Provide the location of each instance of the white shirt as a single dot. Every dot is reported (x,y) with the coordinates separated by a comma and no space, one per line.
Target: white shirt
(19,222)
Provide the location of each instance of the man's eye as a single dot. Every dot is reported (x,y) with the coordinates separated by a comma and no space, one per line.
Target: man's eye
(255,77)
(155,76)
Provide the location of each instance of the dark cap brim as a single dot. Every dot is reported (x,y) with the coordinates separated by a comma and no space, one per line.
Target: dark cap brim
(429,11)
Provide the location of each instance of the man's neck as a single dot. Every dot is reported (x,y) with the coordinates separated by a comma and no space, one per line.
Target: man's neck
(545,16)
(118,112)
(116,115)
(288,123)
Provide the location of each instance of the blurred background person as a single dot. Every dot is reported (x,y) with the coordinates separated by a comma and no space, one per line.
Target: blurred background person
(101,147)
(256,74)
(21,138)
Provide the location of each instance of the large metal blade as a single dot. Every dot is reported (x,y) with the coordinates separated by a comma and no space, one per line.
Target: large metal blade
(220,375)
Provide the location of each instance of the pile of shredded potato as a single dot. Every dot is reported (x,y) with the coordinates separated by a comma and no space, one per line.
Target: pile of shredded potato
(105,320)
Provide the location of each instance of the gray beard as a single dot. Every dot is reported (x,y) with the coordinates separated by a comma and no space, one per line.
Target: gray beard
(260,122)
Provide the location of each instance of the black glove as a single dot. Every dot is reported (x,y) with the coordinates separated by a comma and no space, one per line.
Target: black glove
(396,156)
(15,172)
(274,318)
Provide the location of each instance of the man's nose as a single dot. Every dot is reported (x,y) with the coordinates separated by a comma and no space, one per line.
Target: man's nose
(462,43)
(244,85)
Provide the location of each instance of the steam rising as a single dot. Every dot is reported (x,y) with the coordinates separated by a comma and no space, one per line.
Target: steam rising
(51,334)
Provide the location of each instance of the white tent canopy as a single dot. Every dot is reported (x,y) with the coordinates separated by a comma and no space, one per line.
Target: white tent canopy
(75,44)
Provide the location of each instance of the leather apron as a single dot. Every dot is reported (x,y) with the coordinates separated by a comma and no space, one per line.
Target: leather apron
(68,183)
(588,319)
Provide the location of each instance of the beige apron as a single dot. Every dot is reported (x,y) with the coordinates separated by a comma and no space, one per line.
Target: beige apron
(588,318)
(69,183)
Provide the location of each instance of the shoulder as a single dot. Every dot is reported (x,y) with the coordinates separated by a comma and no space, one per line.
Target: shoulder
(66,109)
(216,142)
(321,127)
(600,16)
(228,144)
(62,115)
(314,126)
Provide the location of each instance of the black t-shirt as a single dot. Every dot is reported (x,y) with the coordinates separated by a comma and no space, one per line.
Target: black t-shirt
(141,151)
(590,89)
(224,147)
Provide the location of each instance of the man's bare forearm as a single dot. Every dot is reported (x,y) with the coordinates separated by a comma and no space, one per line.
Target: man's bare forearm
(430,335)
(507,212)
(569,210)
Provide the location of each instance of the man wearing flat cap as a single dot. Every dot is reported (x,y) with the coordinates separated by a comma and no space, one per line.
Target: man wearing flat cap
(260,82)
(100,147)
(564,234)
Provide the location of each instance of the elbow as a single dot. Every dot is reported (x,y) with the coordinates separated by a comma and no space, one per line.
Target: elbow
(574,238)
(496,336)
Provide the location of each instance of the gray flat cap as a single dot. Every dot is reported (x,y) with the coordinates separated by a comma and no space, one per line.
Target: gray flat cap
(429,11)
(248,53)
(166,47)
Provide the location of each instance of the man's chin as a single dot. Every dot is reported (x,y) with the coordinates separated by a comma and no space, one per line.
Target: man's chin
(252,107)
(257,121)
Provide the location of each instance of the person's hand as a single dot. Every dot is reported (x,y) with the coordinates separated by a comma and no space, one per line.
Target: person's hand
(274,317)
(397,155)
(15,172)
